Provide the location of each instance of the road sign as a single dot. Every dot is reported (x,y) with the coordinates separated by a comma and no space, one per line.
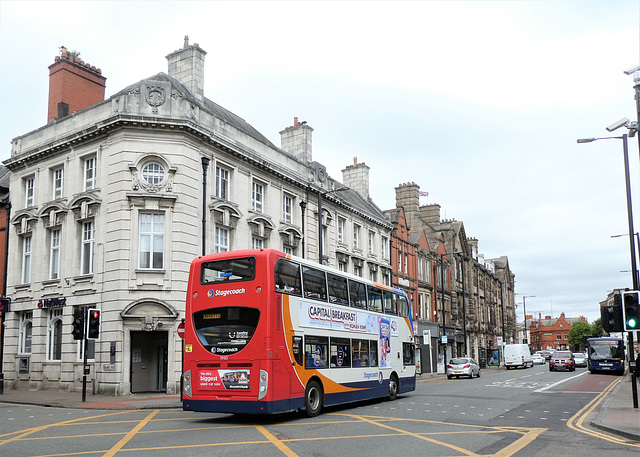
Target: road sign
(181,329)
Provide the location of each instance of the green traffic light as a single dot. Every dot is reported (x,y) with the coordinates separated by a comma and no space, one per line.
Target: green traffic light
(632,323)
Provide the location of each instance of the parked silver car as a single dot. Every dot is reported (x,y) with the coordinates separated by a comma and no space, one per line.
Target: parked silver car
(463,366)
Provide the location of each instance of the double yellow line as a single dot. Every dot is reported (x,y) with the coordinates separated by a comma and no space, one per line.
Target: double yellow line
(576,422)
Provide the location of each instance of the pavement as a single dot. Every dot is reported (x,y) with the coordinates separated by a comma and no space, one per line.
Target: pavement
(615,414)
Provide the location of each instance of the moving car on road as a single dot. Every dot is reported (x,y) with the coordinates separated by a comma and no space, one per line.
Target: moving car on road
(538,359)
(463,366)
(580,359)
(562,360)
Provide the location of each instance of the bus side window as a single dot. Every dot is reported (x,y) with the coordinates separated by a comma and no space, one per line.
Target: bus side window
(389,302)
(375,298)
(314,284)
(357,294)
(287,277)
(373,353)
(338,293)
(340,353)
(297,347)
(316,350)
(403,306)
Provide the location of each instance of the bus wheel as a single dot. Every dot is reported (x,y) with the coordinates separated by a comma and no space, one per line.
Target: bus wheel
(393,387)
(313,399)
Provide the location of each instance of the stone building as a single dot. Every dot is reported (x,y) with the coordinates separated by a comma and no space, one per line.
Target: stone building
(464,304)
(113,198)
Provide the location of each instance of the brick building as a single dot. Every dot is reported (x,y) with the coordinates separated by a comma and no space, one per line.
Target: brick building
(550,334)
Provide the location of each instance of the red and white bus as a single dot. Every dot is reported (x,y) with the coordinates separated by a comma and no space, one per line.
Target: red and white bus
(267,332)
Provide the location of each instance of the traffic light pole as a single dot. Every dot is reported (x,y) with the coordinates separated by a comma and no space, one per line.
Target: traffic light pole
(84,367)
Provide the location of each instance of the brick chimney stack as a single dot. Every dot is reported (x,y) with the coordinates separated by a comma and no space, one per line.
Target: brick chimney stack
(408,197)
(297,139)
(73,85)
(187,66)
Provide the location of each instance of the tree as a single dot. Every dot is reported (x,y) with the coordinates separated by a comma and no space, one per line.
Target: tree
(577,331)
(596,328)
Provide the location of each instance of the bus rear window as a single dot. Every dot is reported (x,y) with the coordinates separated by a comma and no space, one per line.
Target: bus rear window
(225,330)
(230,270)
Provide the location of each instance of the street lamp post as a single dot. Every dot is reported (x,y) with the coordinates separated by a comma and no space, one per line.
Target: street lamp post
(634,268)
(524,308)
(321,193)
(632,245)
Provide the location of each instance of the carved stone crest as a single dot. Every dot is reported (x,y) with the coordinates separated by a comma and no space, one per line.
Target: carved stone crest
(155,97)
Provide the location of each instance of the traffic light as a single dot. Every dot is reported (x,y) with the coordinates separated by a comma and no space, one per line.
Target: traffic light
(611,316)
(93,326)
(631,311)
(78,324)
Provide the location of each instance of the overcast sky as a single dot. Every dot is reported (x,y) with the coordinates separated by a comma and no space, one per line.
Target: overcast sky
(478,102)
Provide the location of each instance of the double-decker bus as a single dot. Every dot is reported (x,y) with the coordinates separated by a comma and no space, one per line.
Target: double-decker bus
(267,332)
(605,354)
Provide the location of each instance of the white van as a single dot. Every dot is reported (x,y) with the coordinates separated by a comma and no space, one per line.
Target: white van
(517,355)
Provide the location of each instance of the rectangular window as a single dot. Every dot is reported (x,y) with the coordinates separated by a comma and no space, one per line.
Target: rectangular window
(399,261)
(257,197)
(257,243)
(341,224)
(357,270)
(360,353)
(356,236)
(86,255)
(151,255)
(26,259)
(316,351)
(420,278)
(372,237)
(90,173)
(54,257)
(314,284)
(57,183)
(383,247)
(222,240)
(340,355)
(288,250)
(222,183)
(29,192)
(338,290)
(406,258)
(408,354)
(287,208)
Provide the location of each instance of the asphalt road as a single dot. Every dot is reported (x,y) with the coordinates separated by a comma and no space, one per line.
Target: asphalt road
(528,412)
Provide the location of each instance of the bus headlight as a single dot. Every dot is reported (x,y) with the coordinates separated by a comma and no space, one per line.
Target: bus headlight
(264,382)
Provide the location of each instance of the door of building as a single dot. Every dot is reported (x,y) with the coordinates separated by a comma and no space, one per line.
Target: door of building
(149,362)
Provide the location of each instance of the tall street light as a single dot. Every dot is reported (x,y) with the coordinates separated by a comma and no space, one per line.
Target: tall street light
(321,193)
(625,148)
(524,307)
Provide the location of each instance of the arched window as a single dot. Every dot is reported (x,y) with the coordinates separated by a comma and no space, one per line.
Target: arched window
(54,335)
(26,332)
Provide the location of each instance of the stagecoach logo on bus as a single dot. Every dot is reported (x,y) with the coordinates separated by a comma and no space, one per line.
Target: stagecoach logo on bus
(223,293)
(329,317)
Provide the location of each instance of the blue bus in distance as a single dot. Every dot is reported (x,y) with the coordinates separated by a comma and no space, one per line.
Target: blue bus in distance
(605,354)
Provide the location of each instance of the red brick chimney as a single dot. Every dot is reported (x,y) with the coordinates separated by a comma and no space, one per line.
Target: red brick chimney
(73,85)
